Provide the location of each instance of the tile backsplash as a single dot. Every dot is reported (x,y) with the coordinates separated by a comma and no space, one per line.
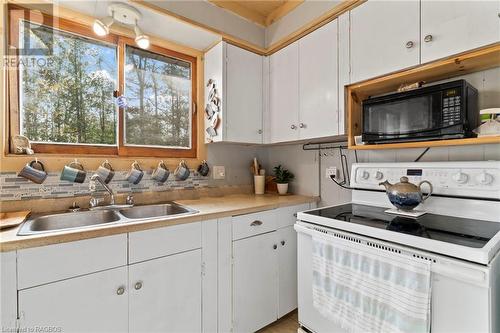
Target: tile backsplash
(17,188)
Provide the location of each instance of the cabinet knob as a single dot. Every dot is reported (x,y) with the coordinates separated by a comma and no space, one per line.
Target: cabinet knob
(282,243)
(294,214)
(409,44)
(302,125)
(428,38)
(275,246)
(120,290)
(256,223)
(138,285)
(293,127)
(259,131)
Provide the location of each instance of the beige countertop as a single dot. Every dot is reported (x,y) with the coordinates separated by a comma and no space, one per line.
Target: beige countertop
(209,208)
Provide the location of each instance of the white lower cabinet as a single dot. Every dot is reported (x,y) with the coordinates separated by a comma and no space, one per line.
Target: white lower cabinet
(255,293)
(287,270)
(165,294)
(89,303)
(234,274)
(264,272)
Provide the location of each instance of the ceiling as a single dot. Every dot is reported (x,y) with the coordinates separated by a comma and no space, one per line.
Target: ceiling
(262,12)
(185,34)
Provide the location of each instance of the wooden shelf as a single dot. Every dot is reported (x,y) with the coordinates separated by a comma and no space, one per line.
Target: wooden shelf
(468,62)
(425,144)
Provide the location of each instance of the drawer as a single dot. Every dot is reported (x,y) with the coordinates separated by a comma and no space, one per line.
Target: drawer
(155,243)
(287,216)
(40,265)
(253,224)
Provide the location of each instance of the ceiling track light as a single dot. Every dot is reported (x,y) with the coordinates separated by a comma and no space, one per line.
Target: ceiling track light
(141,39)
(124,14)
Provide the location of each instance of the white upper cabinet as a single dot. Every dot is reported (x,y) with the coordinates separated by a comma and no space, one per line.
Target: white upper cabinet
(384,38)
(238,79)
(450,27)
(243,95)
(318,86)
(284,94)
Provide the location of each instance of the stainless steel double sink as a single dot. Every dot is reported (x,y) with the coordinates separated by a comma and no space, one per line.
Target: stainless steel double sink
(44,223)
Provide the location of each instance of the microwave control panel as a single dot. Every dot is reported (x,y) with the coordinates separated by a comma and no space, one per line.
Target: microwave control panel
(452,105)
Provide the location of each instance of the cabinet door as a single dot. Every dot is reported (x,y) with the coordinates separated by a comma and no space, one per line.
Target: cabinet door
(243,88)
(318,72)
(380,36)
(284,95)
(88,303)
(255,285)
(165,294)
(287,274)
(457,26)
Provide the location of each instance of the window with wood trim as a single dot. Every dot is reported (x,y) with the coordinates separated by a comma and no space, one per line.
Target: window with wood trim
(71,91)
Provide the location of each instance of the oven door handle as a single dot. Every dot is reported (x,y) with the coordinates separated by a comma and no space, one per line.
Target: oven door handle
(476,276)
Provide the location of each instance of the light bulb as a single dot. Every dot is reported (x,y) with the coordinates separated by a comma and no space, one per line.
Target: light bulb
(101,27)
(140,38)
(142,41)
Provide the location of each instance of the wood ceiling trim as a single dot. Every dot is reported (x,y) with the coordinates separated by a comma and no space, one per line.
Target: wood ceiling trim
(245,12)
(281,11)
(306,29)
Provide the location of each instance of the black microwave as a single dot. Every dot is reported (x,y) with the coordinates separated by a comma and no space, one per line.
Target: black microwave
(442,111)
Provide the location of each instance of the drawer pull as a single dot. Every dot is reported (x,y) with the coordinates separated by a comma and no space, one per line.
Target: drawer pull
(256,223)
(120,290)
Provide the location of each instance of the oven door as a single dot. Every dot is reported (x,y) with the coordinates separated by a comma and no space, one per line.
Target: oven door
(461,292)
(406,118)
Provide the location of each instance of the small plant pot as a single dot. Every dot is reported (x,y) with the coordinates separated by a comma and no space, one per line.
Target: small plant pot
(282,188)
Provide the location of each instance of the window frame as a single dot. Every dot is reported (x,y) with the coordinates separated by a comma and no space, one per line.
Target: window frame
(118,149)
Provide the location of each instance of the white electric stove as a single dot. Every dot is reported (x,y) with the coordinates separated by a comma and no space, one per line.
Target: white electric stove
(459,235)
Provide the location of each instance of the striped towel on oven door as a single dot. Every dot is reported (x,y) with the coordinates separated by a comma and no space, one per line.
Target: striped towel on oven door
(365,289)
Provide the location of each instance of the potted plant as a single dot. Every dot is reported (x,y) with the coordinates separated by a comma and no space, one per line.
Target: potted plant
(282,177)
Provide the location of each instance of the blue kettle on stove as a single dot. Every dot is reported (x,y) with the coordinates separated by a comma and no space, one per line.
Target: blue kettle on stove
(405,195)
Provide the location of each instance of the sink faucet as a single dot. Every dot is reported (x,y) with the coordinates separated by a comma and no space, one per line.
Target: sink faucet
(95,201)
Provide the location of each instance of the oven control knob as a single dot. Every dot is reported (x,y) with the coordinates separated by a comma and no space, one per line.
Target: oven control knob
(485,178)
(460,178)
(379,175)
(365,175)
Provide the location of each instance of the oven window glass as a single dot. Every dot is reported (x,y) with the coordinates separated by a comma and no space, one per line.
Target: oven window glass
(399,117)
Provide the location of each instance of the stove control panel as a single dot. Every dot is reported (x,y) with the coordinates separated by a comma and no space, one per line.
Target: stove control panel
(472,179)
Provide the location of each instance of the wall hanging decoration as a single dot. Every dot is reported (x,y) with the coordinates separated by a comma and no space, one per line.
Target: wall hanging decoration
(74,172)
(105,171)
(21,145)
(34,171)
(182,171)
(135,174)
(212,109)
(161,173)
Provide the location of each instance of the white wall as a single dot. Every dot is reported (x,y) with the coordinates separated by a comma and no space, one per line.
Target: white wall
(303,164)
(236,159)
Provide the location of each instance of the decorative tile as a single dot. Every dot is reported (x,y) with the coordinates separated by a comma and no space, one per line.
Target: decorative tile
(17,188)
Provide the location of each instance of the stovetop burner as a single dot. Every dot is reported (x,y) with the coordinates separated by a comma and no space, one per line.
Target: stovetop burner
(450,229)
